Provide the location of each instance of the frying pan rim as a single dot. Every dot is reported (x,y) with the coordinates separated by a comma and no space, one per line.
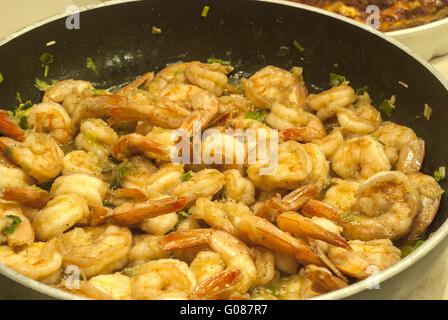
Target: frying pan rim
(350,290)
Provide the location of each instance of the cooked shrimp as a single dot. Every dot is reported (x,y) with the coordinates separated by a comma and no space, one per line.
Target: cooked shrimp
(39,261)
(331,142)
(118,286)
(82,162)
(160,225)
(147,77)
(134,143)
(172,74)
(264,260)
(32,197)
(39,155)
(342,195)
(329,102)
(388,203)
(129,214)
(301,226)
(164,279)
(97,137)
(235,104)
(204,183)
(320,172)
(147,247)
(90,188)
(430,195)
(206,264)
(359,120)
(272,84)
(211,77)
(365,258)
(294,167)
(59,215)
(402,146)
(13,177)
(238,188)
(9,127)
(96,250)
(51,118)
(60,90)
(23,234)
(360,158)
(293,201)
(322,279)
(234,252)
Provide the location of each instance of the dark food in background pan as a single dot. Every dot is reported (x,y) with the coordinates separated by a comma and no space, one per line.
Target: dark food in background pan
(394,14)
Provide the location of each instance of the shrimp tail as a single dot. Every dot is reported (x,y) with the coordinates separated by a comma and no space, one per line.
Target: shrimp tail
(316,208)
(137,83)
(135,143)
(28,196)
(301,226)
(129,214)
(9,127)
(216,287)
(305,134)
(185,239)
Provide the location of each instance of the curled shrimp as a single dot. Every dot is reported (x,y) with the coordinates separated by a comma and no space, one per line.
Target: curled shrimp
(359,120)
(219,286)
(365,258)
(117,285)
(51,118)
(84,162)
(235,104)
(9,127)
(402,146)
(430,195)
(234,252)
(59,215)
(388,203)
(295,124)
(60,90)
(238,188)
(96,250)
(211,77)
(329,102)
(331,142)
(206,264)
(39,260)
(264,260)
(294,167)
(97,137)
(39,155)
(272,84)
(360,158)
(164,279)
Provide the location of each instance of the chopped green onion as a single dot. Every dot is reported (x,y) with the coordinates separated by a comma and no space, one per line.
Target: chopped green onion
(336,80)
(378,140)
(298,46)
(361,91)
(12,228)
(19,98)
(132,271)
(41,85)
(21,114)
(46,59)
(387,107)
(91,65)
(223,194)
(186,176)
(1,78)
(100,92)
(213,60)
(11,114)
(427,112)
(38,189)
(406,250)
(440,174)
(47,68)
(124,170)
(51,43)
(156,30)
(259,116)
(205,11)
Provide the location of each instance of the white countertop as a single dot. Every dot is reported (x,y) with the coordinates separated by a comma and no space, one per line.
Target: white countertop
(15,15)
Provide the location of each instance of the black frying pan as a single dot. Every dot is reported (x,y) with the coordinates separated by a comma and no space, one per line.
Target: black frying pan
(248,33)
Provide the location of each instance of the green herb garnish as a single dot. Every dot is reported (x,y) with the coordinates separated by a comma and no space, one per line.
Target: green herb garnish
(427,112)
(387,107)
(123,170)
(21,114)
(1,78)
(12,228)
(406,250)
(46,59)
(91,65)
(19,98)
(213,60)
(259,116)
(298,46)
(187,176)
(156,30)
(223,194)
(100,92)
(41,85)
(378,140)
(440,174)
(361,91)
(205,11)
(336,80)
